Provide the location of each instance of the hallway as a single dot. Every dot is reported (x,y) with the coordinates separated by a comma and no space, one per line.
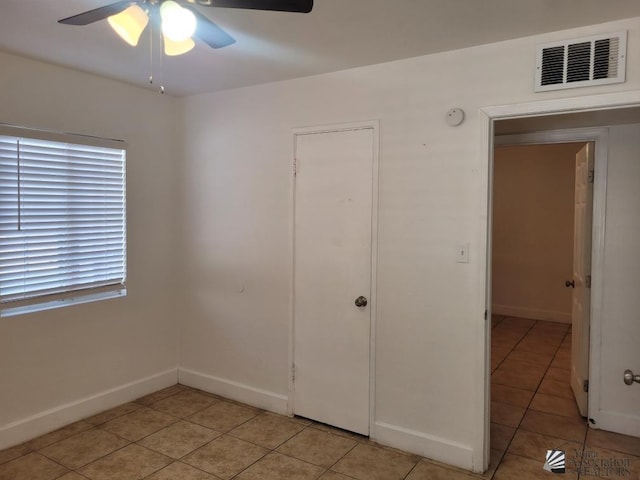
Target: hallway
(533,409)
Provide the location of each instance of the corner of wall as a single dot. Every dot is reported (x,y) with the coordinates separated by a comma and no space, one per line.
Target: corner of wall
(240,392)
(57,417)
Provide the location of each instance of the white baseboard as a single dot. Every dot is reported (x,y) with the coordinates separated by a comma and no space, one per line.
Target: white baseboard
(532,313)
(54,418)
(429,446)
(240,392)
(617,422)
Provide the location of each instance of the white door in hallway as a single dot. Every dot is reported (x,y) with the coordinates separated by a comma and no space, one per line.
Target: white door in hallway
(334,186)
(581,298)
(615,343)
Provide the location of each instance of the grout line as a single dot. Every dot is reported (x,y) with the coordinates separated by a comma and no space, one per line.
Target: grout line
(515,345)
(193,466)
(346,453)
(71,469)
(310,425)
(546,369)
(77,470)
(268,448)
(502,455)
(181,389)
(517,428)
(260,412)
(412,469)
(68,470)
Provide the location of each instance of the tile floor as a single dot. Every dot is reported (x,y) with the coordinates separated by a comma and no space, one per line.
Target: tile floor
(184,434)
(533,408)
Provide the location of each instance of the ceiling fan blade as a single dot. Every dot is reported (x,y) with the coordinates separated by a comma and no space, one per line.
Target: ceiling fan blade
(210,33)
(98,13)
(300,6)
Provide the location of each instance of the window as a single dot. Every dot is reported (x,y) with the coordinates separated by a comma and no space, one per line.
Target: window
(62,219)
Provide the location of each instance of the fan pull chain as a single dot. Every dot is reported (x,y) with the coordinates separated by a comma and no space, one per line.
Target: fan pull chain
(151,41)
(161,53)
(151,53)
(161,67)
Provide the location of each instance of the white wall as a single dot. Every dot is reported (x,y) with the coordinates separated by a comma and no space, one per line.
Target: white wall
(235,222)
(532,251)
(52,363)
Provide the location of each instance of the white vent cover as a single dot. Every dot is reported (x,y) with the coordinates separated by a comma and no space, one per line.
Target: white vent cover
(581,62)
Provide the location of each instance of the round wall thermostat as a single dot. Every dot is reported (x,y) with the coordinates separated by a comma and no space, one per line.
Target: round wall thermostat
(455,117)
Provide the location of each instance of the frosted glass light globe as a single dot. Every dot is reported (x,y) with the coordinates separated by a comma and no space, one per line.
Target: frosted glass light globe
(178,23)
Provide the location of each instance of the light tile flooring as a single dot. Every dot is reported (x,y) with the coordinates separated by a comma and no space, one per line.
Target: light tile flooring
(533,408)
(183,434)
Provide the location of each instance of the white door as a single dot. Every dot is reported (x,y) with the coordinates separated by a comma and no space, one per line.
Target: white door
(615,345)
(581,297)
(332,268)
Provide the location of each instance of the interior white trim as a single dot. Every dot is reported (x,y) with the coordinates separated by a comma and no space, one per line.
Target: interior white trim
(257,397)
(375,230)
(532,313)
(626,424)
(292,280)
(425,445)
(487,116)
(64,137)
(588,134)
(52,419)
(481,402)
(605,101)
(373,301)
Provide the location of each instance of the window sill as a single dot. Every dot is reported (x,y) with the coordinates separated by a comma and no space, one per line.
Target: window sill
(64,302)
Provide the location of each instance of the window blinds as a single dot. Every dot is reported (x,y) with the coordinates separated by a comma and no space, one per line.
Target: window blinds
(62,219)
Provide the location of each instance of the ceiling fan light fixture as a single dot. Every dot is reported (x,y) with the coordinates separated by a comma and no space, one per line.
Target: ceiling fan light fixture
(129,24)
(171,48)
(178,23)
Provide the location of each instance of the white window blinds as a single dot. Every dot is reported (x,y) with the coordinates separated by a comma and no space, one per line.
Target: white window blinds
(62,219)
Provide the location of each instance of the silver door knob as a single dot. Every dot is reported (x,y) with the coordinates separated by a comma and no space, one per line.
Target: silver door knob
(629,377)
(361,301)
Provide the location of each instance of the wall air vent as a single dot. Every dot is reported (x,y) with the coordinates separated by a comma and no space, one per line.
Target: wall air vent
(582,62)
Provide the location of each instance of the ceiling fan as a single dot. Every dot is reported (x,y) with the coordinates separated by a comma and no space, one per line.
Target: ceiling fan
(179,20)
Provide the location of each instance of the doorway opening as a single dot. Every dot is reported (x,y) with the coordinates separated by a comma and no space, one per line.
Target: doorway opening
(540,237)
(603,117)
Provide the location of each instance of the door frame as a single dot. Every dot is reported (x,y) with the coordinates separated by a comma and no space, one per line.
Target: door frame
(486,117)
(600,137)
(373,125)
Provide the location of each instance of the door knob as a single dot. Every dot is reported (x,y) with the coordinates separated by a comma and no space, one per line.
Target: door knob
(571,284)
(361,301)
(629,377)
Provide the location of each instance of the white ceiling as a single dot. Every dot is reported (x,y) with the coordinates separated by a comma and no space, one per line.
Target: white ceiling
(274,46)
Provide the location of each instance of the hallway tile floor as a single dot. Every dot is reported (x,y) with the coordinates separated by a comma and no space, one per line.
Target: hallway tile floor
(533,408)
(179,433)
